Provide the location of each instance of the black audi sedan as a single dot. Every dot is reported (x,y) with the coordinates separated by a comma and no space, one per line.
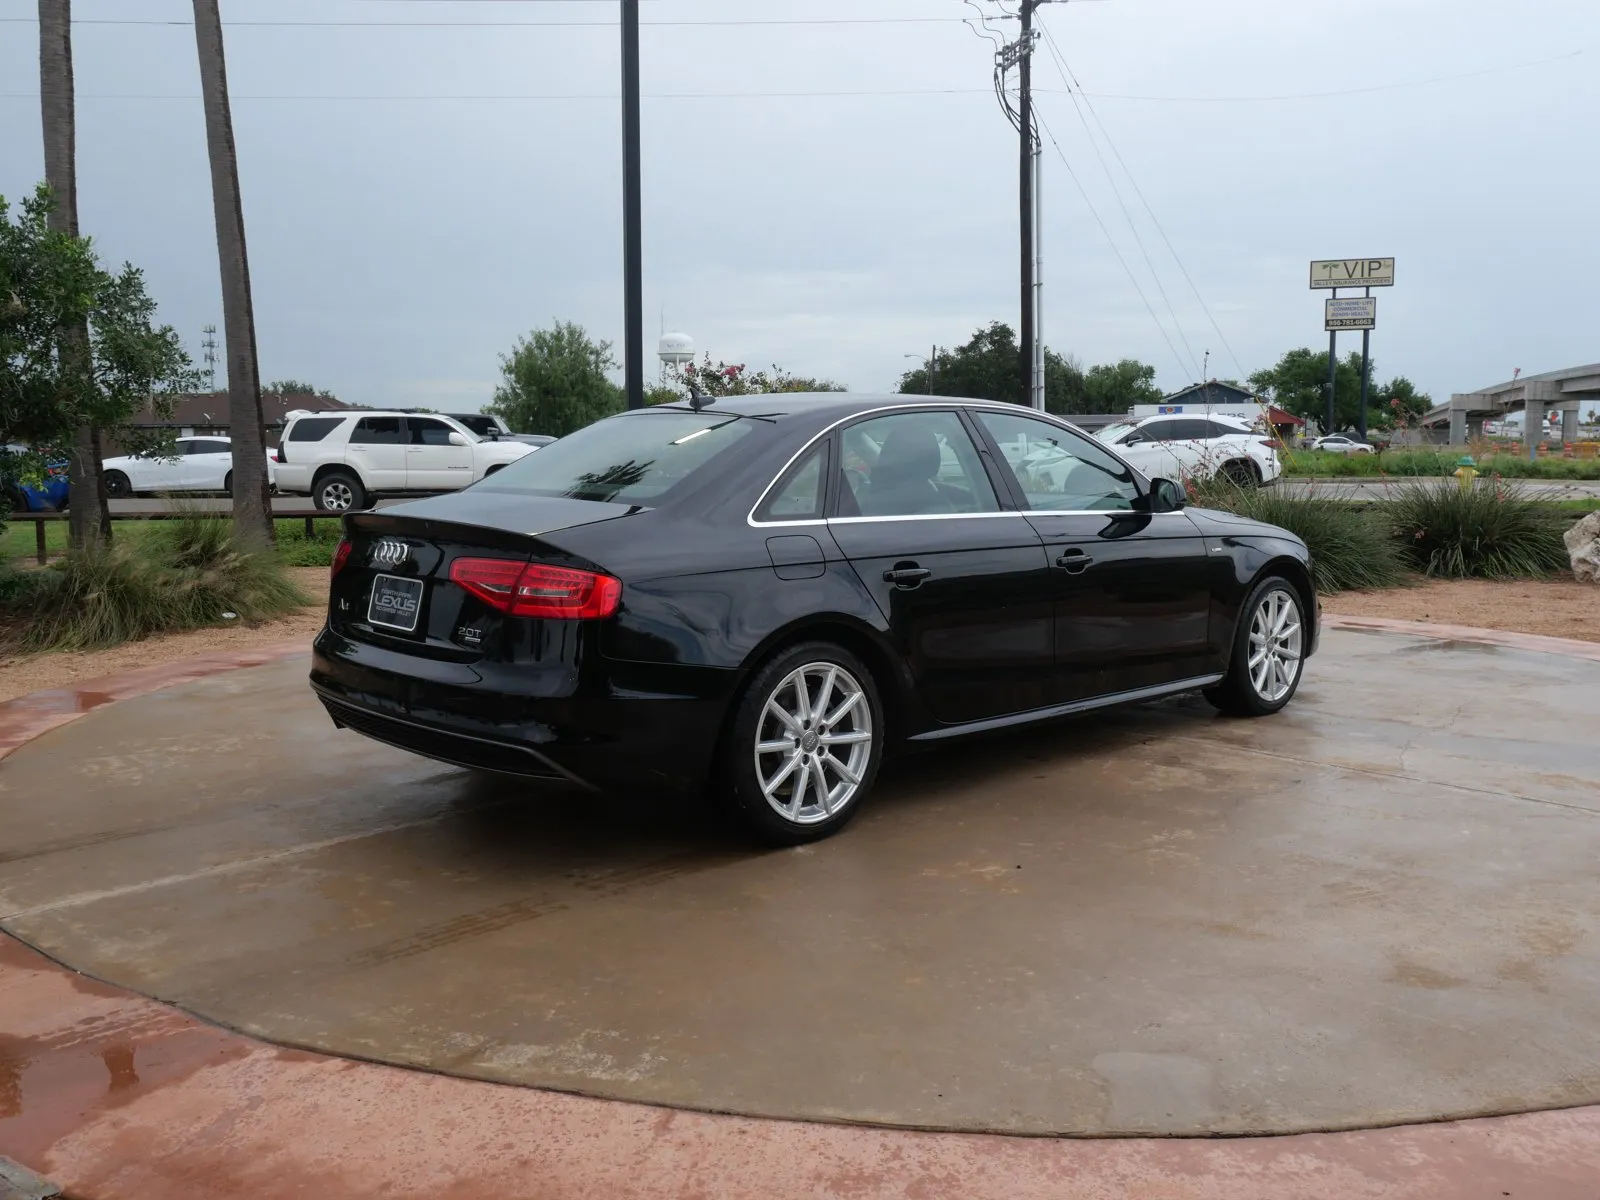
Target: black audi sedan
(766,594)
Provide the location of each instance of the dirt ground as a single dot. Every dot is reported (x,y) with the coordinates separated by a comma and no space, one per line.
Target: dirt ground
(39,672)
(1552,607)
(1556,608)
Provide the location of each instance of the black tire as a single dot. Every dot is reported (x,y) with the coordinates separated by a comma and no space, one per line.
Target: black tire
(227,484)
(742,781)
(1239,694)
(339,491)
(1242,473)
(118,486)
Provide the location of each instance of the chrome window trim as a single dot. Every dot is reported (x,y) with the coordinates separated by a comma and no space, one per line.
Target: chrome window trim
(934,403)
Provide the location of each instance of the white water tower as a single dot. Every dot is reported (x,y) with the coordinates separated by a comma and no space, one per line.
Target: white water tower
(675,349)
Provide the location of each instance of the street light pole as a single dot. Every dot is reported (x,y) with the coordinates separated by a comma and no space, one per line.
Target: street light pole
(632,213)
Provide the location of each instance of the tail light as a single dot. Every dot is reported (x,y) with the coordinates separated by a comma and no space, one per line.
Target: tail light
(341,555)
(537,590)
(1269,444)
(275,455)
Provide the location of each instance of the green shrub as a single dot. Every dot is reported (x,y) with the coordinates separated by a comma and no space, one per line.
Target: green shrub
(185,576)
(1491,530)
(1351,548)
(295,549)
(1431,463)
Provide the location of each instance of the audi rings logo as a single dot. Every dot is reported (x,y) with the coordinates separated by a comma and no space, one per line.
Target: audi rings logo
(390,553)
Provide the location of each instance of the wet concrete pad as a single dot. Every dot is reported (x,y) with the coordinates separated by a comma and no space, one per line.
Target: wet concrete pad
(1376,907)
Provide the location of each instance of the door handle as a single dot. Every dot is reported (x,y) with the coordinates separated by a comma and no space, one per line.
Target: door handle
(1075,561)
(907,576)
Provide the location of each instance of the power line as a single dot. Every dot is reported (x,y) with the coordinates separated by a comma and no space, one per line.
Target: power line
(529,96)
(1132,278)
(1127,216)
(1071,80)
(557,24)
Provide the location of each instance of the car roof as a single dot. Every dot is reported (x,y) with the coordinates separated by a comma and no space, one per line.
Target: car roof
(830,407)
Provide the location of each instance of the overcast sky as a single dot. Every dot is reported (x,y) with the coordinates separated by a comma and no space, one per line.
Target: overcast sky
(420,190)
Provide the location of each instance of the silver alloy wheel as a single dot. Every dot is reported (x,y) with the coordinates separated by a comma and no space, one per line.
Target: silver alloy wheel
(337,496)
(813,743)
(1275,645)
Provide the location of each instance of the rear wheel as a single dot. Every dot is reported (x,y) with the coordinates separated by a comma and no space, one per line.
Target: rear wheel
(1268,652)
(339,491)
(804,748)
(117,486)
(227,484)
(1241,473)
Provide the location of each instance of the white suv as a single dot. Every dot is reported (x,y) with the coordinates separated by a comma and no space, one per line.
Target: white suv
(1181,447)
(341,460)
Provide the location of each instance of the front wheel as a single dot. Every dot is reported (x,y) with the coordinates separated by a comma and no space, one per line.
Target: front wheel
(118,486)
(339,491)
(805,745)
(1268,652)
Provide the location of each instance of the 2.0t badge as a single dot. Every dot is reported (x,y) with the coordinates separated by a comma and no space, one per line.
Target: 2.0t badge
(390,552)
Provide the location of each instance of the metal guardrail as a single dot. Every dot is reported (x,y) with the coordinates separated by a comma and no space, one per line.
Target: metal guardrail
(39,519)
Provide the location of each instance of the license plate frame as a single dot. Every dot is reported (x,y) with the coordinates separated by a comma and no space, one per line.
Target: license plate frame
(408,593)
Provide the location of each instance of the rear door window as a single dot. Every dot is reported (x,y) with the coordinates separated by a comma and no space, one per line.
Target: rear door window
(635,459)
(914,464)
(376,431)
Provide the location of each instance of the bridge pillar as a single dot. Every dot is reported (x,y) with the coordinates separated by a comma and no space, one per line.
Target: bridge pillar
(1569,424)
(1458,426)
(1533,425)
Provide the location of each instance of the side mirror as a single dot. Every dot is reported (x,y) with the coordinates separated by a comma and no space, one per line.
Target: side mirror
(1166,496)
(1133,439)
(458,439)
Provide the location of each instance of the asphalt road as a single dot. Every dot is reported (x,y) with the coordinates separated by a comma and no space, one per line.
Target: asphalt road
(1383,489)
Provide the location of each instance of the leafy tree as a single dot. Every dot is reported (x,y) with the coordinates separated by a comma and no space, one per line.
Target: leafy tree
(51,281)
(555,382)
(297,387)
(1117,387)
(734,379)
(1297,383)
(986,369)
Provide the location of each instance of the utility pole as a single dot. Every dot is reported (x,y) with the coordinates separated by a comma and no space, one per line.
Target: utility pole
(209,345)
(1333,367)
(1366,347)
(1019,54)
(632,213)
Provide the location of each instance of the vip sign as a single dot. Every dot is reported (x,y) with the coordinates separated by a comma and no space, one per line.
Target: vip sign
(1352,272)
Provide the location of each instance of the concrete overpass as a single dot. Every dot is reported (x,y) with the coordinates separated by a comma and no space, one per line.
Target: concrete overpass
(1571,392)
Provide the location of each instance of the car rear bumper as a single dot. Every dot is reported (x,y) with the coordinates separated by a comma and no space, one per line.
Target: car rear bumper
(621,728)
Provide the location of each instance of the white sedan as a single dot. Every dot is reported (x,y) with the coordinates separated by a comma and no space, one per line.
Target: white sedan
(1338,443)
(199,464)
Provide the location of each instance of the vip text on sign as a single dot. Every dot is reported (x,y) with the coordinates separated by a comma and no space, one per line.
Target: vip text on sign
(1351,312)
(1352,272)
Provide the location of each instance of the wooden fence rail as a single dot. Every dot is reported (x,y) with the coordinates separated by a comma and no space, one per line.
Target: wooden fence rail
(40,518)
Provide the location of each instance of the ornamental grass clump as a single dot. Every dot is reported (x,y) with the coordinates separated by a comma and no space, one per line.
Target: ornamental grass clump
(191,574)
(1350,547)
(1490,530)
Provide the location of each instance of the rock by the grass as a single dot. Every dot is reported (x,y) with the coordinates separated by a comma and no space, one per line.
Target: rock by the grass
(1583,544)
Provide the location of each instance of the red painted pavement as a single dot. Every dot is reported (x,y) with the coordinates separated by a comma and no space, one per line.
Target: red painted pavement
(114,1096)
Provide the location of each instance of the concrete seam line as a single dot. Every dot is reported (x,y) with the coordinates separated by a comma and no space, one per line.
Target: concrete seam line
(1333,766)
(227,868)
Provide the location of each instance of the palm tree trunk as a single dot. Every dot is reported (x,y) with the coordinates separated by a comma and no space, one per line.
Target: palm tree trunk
(90,521)
(252,503)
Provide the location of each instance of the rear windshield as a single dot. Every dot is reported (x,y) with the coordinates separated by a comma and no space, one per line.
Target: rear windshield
(628,460)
